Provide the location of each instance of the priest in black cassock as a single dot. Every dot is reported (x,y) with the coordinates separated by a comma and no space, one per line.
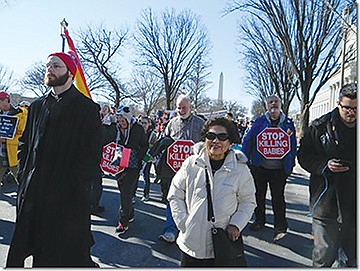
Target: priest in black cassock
(59,154)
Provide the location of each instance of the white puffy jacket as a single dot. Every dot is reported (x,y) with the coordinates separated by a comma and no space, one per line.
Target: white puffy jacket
(233,195)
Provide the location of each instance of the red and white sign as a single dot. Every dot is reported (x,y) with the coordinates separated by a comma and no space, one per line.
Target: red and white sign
(177,152)
(110,151)
(273,143)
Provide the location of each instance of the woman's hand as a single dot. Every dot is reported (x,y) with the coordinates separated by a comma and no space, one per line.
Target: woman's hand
(233,232)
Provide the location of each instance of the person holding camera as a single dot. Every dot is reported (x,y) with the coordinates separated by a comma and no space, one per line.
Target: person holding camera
(328,151)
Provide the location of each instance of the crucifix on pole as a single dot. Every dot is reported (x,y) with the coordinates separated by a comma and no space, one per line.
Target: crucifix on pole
(63,25)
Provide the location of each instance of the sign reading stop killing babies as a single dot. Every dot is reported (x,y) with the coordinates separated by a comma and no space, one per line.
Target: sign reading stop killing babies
(115,158)
(273,143)
(177,152)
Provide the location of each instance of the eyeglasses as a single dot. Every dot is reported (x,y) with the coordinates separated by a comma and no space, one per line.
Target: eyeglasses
(221,136)
(348,108)
(54,66)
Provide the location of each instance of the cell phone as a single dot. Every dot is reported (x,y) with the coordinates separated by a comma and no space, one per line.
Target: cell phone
(345,163)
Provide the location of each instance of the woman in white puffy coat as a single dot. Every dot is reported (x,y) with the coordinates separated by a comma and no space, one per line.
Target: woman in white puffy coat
(232,191)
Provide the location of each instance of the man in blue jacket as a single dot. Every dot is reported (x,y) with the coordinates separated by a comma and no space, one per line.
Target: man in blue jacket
(270,147)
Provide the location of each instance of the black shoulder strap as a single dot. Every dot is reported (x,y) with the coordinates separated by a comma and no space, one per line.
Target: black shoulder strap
(211,216)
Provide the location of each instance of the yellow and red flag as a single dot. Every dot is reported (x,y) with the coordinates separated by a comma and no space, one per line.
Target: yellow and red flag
(79,79)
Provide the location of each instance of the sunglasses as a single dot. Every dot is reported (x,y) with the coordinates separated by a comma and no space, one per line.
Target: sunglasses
(221,136)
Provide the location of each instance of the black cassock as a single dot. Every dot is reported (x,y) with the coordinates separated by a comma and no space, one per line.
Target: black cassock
(60,151)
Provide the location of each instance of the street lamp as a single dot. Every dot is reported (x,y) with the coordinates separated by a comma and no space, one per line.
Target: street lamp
(345,15)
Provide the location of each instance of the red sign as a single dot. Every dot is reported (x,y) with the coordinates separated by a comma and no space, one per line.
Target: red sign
(109,154)
(273,143)
(177,152)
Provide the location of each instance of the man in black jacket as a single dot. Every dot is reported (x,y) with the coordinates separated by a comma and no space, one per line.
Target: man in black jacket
(328,152)
(59,153)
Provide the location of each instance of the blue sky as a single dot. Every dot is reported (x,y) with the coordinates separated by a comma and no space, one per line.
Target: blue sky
(30,30)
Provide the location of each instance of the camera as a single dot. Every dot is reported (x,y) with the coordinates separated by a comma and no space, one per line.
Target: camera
(345,163)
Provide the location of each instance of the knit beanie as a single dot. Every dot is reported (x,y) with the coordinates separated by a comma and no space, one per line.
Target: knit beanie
(69,60)
(4,95)
(125,112)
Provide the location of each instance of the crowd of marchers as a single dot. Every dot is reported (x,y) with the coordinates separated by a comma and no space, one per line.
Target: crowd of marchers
(54,156)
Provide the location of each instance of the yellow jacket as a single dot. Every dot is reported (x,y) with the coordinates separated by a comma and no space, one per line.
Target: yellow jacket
(12,144)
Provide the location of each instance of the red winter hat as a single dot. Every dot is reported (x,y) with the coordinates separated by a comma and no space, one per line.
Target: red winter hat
(68,59)
(4,95)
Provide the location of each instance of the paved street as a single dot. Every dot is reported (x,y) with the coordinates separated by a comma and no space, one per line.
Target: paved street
(140,246)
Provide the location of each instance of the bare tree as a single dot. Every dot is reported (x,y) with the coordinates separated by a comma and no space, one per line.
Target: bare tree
(95,80)
(215,105)
(4,3)
(171,46)
(197,83)
(235,107)
(269,71)
(33,80)
(98,50)
(210,105)
(147,89)
(310,35)
(258,108)
(6,78)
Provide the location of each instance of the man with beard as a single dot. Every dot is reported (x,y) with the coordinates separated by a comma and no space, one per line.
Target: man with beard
(185,126)
(328,151)
(59,153)
(271,169)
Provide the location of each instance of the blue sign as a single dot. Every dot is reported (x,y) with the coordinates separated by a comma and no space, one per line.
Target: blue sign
(8,126)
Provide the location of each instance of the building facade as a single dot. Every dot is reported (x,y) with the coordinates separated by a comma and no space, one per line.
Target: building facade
(326,99)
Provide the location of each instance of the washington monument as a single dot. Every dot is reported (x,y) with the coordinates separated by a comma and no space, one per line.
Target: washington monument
(221,88)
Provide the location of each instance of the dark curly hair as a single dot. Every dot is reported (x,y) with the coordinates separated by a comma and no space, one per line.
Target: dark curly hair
(221,121)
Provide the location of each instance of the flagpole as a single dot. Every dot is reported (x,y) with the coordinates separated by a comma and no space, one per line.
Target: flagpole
(63,25)
(79,77)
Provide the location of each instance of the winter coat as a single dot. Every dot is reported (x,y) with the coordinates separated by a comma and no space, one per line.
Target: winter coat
(250,149)
(335,193)
(152,137)
(59,154)
(12,144)
(108,133)
(137,142)
(185,129)
(233,195)
(159,150)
